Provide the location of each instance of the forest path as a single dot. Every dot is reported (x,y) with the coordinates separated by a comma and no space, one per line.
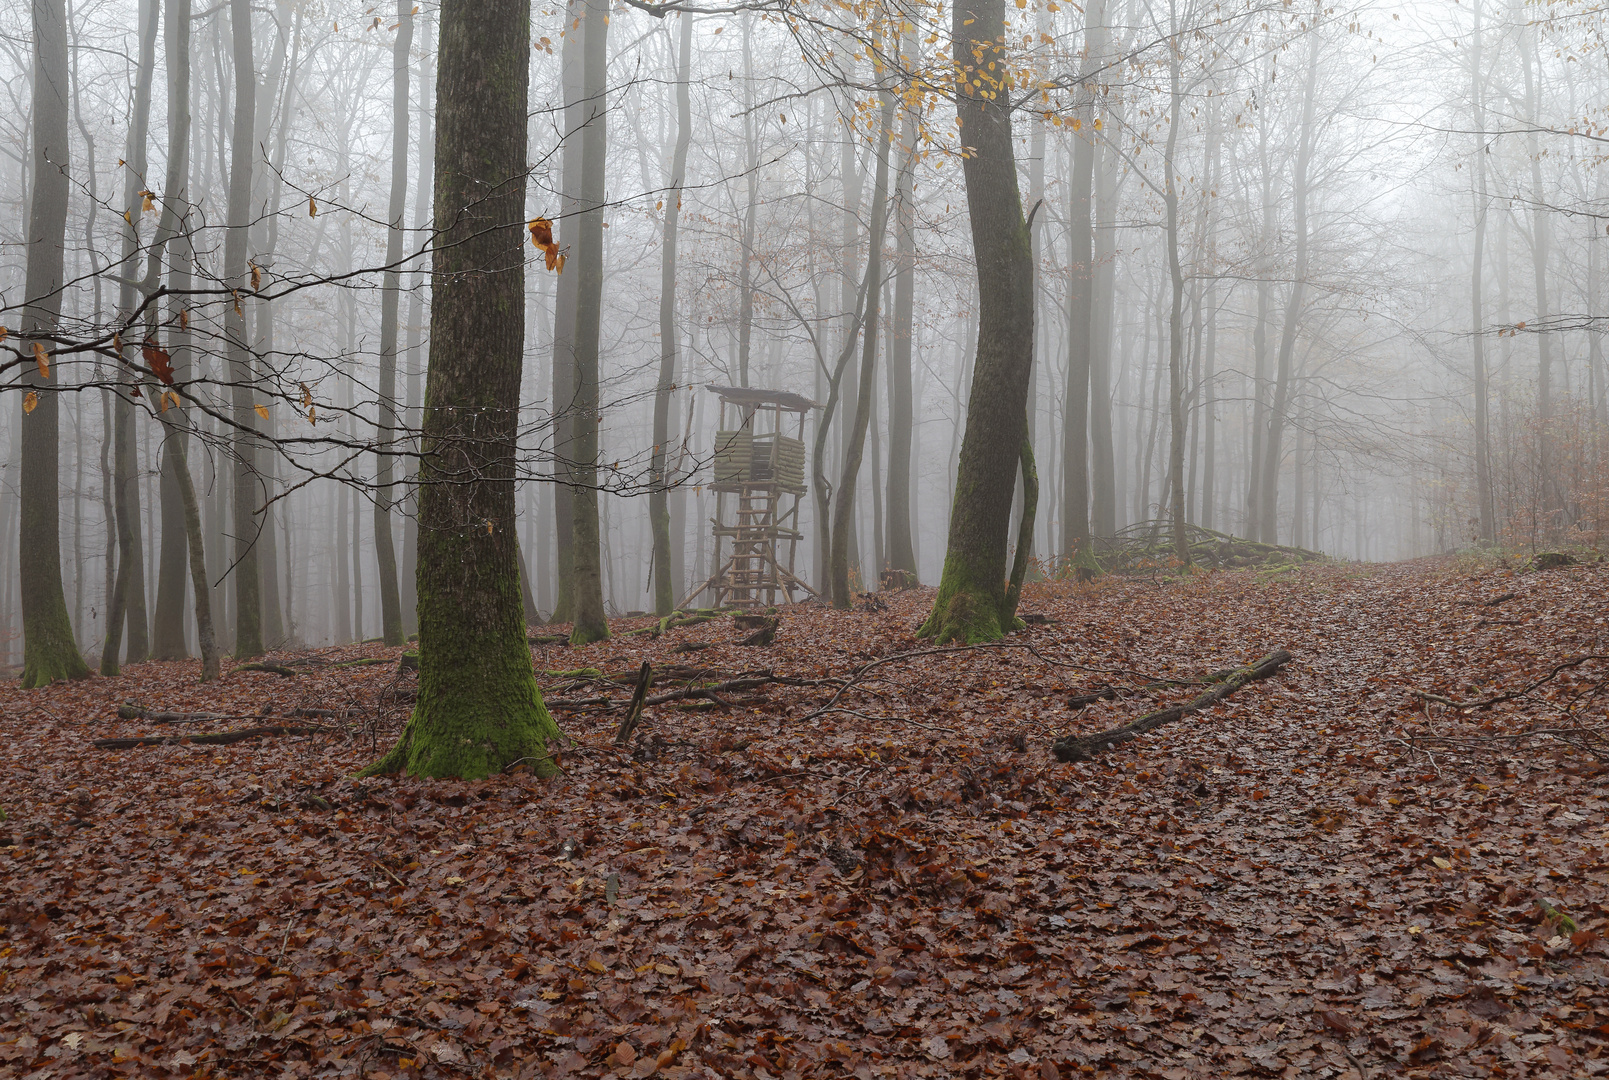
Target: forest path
(1283,885)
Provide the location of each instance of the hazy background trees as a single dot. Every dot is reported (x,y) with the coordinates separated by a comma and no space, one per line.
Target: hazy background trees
(1318,275)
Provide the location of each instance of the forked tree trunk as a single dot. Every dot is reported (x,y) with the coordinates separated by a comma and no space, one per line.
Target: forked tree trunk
(658,503)
(479,709)
(385,549)
(49,651)
(971,603)
(843,516)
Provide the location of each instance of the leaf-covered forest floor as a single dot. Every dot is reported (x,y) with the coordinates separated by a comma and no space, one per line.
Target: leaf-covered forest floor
(1324,876)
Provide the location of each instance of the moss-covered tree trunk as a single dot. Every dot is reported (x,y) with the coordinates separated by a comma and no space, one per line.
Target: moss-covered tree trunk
(971,604)
(479,709)
(586,573)
(49,651)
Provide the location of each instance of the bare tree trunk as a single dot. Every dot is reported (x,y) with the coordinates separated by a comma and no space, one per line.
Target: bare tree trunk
(591,624)
(247,488)
(901,548)
(1486,514)
(843,517)
(407,583)
(658,508)
(384,546)
(49,651)
(577,110)
(971,604)
(1102,447)
(1268,503)
(1541,228)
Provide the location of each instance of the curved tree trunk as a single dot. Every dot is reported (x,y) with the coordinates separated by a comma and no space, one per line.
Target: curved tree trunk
(49,651)
(479,709)
(971,602)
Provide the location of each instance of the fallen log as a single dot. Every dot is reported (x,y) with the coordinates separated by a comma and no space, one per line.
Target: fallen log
(272,669)
(215,738)
(130,711)
(1086,747)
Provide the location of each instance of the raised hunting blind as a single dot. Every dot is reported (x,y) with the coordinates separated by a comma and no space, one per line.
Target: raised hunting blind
(759,478)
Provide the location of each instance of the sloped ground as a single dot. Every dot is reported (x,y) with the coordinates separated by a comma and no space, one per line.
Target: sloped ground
(1297,883)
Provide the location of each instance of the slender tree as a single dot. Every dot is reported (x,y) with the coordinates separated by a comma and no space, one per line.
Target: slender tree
(571,63)
(658,503)
(901,549)
(479,709)
(247,488)
(587,569)
(385,549)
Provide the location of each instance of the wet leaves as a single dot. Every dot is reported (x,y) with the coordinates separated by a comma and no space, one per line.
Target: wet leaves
(908,885)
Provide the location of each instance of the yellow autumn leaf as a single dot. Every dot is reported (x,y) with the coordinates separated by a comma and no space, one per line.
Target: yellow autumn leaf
(256,277)
(3,333)
(42,359)
(30,402)
(1441,862)
(312,206)
(312,415)
(184,318)
(262,411)
(147,203)
(307,395)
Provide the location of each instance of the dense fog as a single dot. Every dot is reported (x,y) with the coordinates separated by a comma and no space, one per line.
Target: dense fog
(1338,287)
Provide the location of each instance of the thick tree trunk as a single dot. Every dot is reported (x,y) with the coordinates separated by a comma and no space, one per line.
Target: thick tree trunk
(391,298)
(247,487)
(479,710)
(971,600)
(591,624)
(843,516)
(658,502)
(49,651)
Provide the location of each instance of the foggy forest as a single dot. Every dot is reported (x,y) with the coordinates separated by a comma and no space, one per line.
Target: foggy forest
(803,538)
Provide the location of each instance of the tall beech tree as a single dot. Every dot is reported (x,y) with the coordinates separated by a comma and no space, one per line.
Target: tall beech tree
(479,709)
(49,651)
(586,576)
(972,602)
(658,503)
(385,548)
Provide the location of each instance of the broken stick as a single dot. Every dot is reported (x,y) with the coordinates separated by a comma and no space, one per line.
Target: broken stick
(216,738)
(1083,748)
(645,679)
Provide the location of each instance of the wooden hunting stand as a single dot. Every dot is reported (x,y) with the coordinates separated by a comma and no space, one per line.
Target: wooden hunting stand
(757,469)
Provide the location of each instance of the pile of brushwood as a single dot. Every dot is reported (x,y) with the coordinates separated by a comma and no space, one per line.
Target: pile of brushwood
(1147,546)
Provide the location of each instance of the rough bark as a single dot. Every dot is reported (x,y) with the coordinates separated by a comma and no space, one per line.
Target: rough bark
(49,651)
(479,710)
(971,601)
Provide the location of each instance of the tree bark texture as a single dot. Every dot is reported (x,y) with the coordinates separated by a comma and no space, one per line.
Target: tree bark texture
(479,709)
(49,651)
(971,601)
